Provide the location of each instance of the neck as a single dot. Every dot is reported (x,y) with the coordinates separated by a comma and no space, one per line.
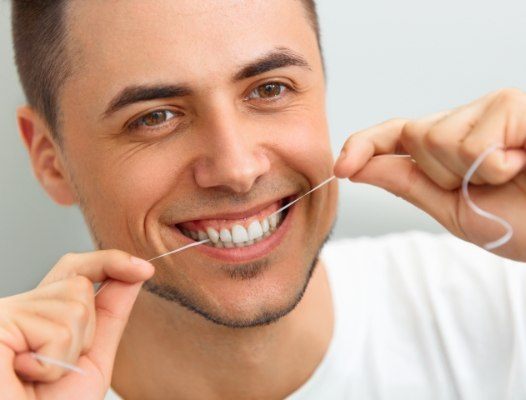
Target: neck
(207,361)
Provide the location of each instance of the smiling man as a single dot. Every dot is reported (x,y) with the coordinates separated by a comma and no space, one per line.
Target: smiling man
(176,121)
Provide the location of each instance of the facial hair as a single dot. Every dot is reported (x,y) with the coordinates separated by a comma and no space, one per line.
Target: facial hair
(242,272)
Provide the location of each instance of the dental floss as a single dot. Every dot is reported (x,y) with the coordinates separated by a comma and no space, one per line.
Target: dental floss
(465,191)
(180,249)
(104,284)
(302,196)
(483,213)
(74,368)
(58,363)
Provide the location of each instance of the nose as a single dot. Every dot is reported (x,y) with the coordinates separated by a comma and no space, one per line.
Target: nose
(234,158)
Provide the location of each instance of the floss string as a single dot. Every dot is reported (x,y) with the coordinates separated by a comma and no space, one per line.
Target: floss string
(465,192)
(479,211)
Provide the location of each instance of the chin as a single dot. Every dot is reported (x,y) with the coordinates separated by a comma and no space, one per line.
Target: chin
(248,295)
(251,276)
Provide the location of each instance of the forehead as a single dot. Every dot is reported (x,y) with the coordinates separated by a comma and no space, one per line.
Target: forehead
(127,38)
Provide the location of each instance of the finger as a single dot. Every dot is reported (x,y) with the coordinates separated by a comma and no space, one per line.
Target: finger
(413,139)
(77,316)
(113,307)
(53,302)
(504,123)
(378,140)
(361,146)
(99,266)
(402,177)
(9,381)
(444,138)
(49,339)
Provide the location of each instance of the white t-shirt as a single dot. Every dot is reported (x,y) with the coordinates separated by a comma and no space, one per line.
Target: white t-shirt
(421,316)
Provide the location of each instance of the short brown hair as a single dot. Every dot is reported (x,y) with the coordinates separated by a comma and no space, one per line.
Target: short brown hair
(39,39)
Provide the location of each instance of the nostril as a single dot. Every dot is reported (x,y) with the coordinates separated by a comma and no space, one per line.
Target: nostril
(231,167)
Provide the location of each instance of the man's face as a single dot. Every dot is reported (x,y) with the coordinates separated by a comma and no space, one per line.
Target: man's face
(184,116)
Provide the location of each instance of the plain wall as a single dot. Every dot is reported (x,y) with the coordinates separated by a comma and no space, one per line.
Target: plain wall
(385,59)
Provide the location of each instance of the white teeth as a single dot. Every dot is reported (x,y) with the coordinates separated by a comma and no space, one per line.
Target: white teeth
(265,225)
(273,221)
(225,236)
(255,231)
(213,234)
(239,234)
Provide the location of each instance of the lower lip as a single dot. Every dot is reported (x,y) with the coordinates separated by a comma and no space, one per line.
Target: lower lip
(248,253)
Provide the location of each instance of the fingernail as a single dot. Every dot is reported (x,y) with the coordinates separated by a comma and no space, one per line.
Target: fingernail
(140,262)
(342,156)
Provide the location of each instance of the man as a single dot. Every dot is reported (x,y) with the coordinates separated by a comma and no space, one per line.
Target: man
(174,121)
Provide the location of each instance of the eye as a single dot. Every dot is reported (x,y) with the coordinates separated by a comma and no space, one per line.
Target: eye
(268,91)
(155,118)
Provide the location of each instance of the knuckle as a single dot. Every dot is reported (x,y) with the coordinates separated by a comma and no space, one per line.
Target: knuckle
(63,336)
(410,132)
(396,122)
(470,150)
(79,312)
(450,183)
(435,138)
(510,96)
(80,285)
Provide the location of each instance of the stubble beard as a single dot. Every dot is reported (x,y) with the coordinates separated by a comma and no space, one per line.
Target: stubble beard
(242,272)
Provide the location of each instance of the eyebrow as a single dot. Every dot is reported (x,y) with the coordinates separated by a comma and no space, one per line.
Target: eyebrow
(278,58)
(137,94)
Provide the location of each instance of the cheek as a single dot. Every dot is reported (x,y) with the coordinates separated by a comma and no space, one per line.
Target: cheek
(302,143)
(124,188)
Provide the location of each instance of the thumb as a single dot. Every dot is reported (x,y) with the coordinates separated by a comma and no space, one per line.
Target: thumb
(401,176)
(113,306)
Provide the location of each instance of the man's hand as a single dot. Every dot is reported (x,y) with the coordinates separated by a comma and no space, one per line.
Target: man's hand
(442,148)
(63,319)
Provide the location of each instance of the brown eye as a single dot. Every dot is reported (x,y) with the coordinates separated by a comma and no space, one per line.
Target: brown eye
(269,90)
(156,118)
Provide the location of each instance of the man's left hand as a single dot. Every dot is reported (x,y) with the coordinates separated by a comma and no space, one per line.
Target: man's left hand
(441,148)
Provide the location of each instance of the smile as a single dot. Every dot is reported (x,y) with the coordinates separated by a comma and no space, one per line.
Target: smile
(236,232)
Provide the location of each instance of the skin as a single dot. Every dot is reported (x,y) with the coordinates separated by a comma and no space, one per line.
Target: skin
(225,150)
(441,148)
(224,153)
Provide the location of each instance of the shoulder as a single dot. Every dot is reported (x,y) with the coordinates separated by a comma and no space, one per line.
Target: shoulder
(412,250)
(432,268)
(431,310)
(111,395)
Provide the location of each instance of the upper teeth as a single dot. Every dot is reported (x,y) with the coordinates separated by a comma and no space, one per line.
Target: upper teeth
(238,235)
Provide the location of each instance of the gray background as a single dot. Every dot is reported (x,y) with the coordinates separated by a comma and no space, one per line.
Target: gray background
(385,58)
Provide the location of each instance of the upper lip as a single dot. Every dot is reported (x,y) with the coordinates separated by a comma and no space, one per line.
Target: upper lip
(239,214)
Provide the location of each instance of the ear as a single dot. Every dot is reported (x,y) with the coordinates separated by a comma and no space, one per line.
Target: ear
(45,155)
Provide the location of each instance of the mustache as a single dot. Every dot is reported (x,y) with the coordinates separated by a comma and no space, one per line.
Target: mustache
(223,198)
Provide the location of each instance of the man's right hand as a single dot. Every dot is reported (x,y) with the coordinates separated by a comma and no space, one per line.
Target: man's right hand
(63,319)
